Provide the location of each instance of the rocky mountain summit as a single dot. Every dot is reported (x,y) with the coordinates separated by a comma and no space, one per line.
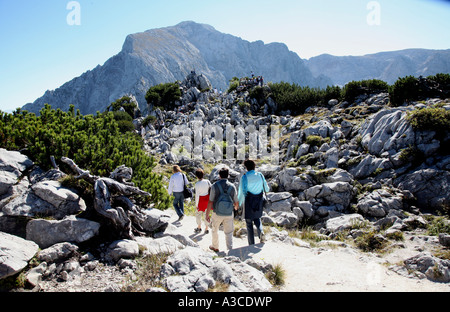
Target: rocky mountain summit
(347,174)
(169,54)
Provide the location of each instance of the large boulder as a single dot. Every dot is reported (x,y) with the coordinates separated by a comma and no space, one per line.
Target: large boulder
(124,248)
(323,128)
(433,268)
(14,162)
(378,203)
(279,202)
(369,165)
(390,131)
(292,181)
(387,130)
(49,232)
(338,194)
(155,220)
(57,252)
(345,222)
(195,270)
(200,82)
(45,199)
(157,246)
(12,166)
(431,187)
(15,252)
(66,201)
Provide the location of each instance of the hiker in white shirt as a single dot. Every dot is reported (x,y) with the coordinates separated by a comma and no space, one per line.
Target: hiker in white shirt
(176,188)
(202,189)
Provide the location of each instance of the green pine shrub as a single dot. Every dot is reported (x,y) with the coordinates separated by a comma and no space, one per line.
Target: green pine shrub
(163,96)
(430,118)
(356,88)
(410,88)
(95,143)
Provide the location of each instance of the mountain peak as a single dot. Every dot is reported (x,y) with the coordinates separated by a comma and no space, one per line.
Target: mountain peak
(169,54)
(192,24)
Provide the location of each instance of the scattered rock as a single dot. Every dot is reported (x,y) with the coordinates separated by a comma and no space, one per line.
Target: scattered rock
(433,268)
(346,222)
(15,253)
(122,249)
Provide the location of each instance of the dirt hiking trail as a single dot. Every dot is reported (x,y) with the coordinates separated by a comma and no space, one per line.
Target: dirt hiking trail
(336,268)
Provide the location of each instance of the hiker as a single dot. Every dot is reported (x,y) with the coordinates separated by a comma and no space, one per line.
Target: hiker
(202,189)
(252,187)
(176,187)
(223,199)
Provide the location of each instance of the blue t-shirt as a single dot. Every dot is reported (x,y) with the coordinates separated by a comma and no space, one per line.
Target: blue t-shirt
(256,184)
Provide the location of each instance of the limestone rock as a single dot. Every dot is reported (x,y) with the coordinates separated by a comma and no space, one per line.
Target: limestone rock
(71,229)
(15,252)
(342,223)
(123,249)
(57,252)
(431,187)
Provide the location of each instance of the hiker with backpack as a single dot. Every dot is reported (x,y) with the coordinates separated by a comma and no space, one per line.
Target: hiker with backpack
(223,200)
(252,187)
(177,184)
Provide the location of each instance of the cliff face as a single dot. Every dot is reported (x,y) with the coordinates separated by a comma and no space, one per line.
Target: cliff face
(169,54)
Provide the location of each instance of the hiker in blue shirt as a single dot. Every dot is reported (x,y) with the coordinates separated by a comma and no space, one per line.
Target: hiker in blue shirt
(252,187)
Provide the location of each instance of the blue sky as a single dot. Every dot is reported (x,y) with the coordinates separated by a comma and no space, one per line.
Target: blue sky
(40,51)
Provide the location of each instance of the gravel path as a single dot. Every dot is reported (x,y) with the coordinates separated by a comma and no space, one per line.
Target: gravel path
(322,269)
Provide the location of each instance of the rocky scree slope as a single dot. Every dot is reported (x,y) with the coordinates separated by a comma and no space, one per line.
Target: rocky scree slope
(348,169)
(360,162)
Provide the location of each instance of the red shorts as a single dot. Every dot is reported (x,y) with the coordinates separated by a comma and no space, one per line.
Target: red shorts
(203,203)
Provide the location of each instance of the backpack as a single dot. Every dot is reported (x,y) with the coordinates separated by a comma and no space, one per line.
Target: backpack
(224,205)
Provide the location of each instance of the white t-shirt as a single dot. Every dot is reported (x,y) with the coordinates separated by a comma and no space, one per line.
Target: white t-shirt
(176,183)
(201,189)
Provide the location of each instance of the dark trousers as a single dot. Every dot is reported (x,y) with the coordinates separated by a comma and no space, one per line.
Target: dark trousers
(178,203)
(251,231)
(253,214)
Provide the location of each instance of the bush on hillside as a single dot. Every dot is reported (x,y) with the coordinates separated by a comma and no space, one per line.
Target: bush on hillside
(297,99)
(234,84)
(430,118)
(410,88)
(365,87)
(95,143)
(404,89)
(127,103)
(163,96)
